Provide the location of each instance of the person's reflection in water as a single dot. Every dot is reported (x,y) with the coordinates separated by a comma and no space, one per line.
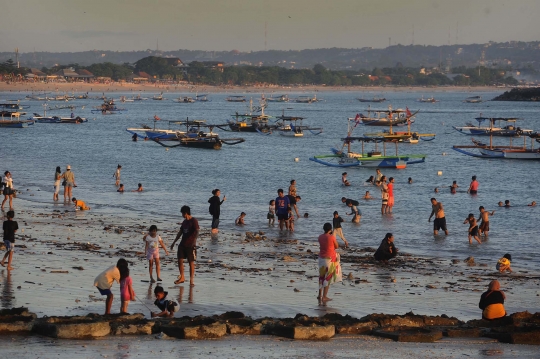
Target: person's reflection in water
(150,293)
(123,351)
(181,294)
(7,291)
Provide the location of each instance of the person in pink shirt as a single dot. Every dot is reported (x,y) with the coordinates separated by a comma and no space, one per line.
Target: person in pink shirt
(390,204)
(329,266)
(126,289)
(473,187)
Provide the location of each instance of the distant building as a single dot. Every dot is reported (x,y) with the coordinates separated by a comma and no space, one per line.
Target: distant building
(214,65)
(71,75)
(174,61)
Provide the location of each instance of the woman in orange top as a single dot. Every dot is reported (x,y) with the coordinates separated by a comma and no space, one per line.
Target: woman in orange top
(492,302)
(329,267)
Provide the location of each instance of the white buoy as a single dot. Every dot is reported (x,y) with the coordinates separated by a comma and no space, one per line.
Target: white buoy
(166,149)
(444,153)
(439,173)
(296,159)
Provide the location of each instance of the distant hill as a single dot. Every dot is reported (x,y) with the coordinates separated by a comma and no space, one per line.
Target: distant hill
(509,54)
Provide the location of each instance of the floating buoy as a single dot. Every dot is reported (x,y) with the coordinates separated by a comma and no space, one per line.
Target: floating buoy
(439,173)
(444,153)
(296,159)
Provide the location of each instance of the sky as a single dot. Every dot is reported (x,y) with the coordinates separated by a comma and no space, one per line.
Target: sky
(224,25)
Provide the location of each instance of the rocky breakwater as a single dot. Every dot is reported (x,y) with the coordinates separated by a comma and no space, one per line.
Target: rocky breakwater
(518,328)
(520,94)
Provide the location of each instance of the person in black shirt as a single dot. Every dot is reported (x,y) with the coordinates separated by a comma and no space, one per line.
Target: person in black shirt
(10,227)
(338,232)
(214,209)
(387,250)
(168,307)
(492,302)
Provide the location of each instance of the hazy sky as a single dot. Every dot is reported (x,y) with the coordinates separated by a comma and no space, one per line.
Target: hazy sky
(78,25)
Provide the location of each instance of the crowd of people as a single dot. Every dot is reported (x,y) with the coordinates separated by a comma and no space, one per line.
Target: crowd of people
(285,208)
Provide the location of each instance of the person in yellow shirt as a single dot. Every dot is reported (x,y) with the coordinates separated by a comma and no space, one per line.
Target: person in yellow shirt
(503,264)
(80,204)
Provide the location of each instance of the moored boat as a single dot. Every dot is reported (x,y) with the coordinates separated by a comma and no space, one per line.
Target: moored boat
(236,98)
(510,130)
(473,99)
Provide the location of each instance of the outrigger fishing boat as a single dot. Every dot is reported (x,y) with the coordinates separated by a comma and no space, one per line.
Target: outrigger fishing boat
(14,121)
(345,157)
(196,138)
(236,98)
(427,100)
(250,122)
(306,99)
(201,98)
(510,130)
(374,99)
(473,99)
(159,97)
(291,126)
(147,132)
(502,152)
(185,99)
(56,119)
(388,117)
(402,136)
(281,98)
(108,107)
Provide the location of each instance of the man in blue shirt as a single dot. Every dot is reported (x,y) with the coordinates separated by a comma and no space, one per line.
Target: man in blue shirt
(282,206)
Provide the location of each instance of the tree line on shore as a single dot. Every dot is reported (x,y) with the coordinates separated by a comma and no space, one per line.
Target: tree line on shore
(200,73)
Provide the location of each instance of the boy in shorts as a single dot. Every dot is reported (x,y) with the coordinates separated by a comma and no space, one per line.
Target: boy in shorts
(10,228)
(152,242)
(189,230)
(168,307)
(473,228)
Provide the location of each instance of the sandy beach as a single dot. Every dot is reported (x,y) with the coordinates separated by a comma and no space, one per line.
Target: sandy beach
(80,87)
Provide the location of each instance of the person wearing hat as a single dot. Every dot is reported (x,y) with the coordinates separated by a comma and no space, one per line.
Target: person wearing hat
(69,183)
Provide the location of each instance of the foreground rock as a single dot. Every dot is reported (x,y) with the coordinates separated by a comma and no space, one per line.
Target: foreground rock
(522,94)
(518,328)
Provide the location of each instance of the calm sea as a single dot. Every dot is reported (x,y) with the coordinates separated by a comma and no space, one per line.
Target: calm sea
(250,173)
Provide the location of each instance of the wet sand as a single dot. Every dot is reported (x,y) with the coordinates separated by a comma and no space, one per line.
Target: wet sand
(259,347)
(58,254)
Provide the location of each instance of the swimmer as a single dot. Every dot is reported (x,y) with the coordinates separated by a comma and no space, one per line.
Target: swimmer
(454,187)
(344,179)
(367,195)
(370,180)
(436,190)
(139,188)
(532,204)
(500,204)
(240,220)
(507,203)
(121,188)
(306,215)
(410,180)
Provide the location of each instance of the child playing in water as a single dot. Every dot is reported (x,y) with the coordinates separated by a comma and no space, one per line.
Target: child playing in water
(10,228)
(290,219)
(473,228)
(454,187)
(167,307)
(80,205)
(152,242)
(105,280)
(367,195)
(139,188)
(126,289)
(240,220)
(503,264)
(344,179)
(533,204)
(121,188)
(271,216)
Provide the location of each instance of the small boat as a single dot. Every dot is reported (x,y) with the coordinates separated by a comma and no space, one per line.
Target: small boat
(345,157)
(139,98)
(510,130)
(281,98)
(388,117)
(374,99)
(250,122)
(427,100)
(201,98)
(108,107)
(403,136)
(236,98)
(291,126)
(473,99)
(147,132)
(196,138)
(14,121)
(185,99)
(159,97)
(509,152)
(306,99)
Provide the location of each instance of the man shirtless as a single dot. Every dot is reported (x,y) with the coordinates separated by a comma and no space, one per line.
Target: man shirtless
(440,221)
(484,216)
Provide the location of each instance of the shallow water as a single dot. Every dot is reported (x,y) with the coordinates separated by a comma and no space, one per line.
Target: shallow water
(251,172)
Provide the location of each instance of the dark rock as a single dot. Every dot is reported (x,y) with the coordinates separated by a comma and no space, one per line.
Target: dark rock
(463,332)
(231,315)
(417,335)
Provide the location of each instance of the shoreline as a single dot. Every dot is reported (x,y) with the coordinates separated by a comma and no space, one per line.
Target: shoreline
(186,88)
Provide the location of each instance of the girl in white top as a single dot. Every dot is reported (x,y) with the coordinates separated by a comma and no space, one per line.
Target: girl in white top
(151,247)
(57,178)
(8,190)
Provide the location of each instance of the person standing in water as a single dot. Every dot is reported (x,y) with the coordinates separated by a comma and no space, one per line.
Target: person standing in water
(473,187)
(69,179)
(282,206)
(440,220)
(57,180)
(292,197)
(117,175)
(390,195)
(484,216)
(215,208)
